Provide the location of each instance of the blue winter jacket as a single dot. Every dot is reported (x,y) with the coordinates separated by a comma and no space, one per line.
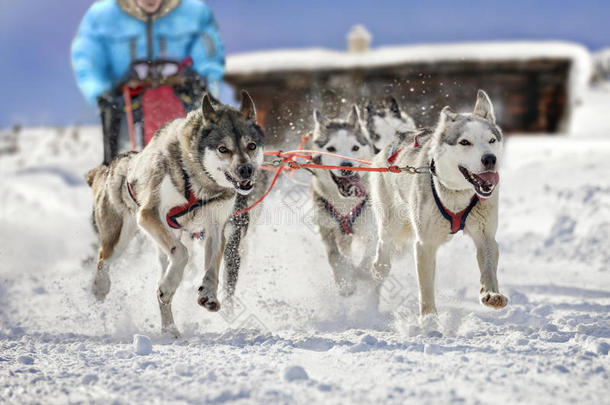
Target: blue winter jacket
(114,32)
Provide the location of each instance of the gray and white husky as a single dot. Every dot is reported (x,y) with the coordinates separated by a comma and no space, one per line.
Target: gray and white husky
(184,182)
(342,209)
(463,153)
(382,123)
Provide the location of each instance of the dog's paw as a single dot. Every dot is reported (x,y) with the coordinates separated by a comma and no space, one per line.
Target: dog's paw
(430,325)
(208,302)
(171,330)
(493,299)
(346,287)
(380,271)
(101,286)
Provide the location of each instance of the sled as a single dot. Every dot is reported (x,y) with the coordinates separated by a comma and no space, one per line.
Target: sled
(159,104)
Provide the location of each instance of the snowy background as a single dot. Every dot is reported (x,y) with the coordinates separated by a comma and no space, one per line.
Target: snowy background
(292,338)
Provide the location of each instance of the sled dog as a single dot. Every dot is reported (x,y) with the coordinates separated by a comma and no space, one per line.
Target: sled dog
(184,182)
(342,210)
(383,123)
(460,193)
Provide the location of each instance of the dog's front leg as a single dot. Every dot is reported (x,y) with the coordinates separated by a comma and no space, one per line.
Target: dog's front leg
(176,255)
(214,248)
(388,226)
(425,262)
(487,257)
(343,270)
(236,231)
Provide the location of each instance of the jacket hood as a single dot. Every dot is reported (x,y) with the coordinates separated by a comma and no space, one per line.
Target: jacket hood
(131,8)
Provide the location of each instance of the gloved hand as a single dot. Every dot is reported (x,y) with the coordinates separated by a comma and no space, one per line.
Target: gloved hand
(107,100)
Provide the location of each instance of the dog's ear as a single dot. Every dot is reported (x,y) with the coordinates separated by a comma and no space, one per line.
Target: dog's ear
(370,110)
(354,116)
(247,109)
(319,118)
(448,113)
(360,131)
(320,137)
(393,107)
(483,107)
(207,108)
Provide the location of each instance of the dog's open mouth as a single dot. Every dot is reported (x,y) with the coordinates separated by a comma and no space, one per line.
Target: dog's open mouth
(484,183)
(243,186)
(349,185)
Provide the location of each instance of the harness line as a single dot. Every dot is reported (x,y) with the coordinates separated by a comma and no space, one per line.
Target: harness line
(286,162)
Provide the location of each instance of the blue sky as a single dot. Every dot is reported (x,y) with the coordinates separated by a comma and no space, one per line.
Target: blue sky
(38,87)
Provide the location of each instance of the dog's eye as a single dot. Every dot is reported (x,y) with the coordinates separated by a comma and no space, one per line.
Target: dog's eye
(223,149)
(465,142)
(251,146)
(355,148)
(331,149)
(492,140)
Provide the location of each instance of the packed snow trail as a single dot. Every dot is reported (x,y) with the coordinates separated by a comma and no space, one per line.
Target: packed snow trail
(292,338)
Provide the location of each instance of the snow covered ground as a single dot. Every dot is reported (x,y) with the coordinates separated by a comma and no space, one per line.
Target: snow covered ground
(292,338)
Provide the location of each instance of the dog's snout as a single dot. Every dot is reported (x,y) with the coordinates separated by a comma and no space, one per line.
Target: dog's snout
(245,171)
(346,163)
(489,161)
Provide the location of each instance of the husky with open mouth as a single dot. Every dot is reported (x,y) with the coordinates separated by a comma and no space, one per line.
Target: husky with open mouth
(342,209)
(463,153)
(183,184)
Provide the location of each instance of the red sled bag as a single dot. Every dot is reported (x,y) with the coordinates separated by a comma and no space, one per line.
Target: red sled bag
(159,106)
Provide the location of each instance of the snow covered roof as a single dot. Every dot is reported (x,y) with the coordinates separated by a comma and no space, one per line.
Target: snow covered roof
(326,59)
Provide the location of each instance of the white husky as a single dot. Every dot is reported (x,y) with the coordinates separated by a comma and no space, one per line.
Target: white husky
(463,152)
(341,205)
(383,123)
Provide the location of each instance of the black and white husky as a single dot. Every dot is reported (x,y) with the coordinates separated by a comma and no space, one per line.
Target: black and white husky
(184,182)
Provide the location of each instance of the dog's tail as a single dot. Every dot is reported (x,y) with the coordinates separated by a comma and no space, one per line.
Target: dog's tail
(93,173)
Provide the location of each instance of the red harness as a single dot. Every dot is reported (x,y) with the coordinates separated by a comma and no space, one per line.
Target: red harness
(457,219)
(394,155)
(192,203)
(346,222)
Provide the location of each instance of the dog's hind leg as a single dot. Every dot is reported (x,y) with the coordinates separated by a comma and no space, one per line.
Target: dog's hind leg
(214,249)
(176,255)
(114,233)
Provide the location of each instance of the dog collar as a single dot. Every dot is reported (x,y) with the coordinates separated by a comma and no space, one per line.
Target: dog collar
(192,203)
(457,220)
(346,222)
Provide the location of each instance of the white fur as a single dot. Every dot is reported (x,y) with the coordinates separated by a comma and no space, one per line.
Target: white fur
(386,127)
(344,143)
(406,208)
(217,168)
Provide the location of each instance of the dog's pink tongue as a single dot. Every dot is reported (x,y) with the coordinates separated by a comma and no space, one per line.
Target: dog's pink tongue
(489,177)
(358,189)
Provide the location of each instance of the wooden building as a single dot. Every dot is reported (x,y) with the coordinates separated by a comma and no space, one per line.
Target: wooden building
(533,84)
